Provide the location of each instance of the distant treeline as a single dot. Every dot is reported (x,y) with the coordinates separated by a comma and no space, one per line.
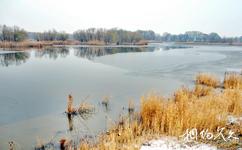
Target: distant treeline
(114,35)
(51,35)
(18,34)
(196,36)
(12,33)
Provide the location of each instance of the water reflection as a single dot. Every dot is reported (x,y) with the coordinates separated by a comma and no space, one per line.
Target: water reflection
(52,52)
(169,47)
(7,59)
(92,52)
(17,58)
(70,122)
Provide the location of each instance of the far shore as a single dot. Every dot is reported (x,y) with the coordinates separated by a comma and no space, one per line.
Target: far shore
(209,43)
(43,44)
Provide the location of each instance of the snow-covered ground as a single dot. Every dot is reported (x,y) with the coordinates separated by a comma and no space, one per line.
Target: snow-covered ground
(172,143)
(168,143)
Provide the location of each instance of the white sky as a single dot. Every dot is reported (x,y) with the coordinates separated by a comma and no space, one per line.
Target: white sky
(174,16)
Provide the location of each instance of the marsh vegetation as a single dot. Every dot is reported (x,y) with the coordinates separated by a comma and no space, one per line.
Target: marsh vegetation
(187,109)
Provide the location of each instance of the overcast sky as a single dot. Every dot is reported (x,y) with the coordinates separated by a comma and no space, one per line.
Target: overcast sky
(174,16)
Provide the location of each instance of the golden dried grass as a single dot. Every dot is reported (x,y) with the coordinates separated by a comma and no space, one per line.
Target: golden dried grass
(36,44)
(233,81)
(95,42)
(70,108)
(201,90)
(172,117)
(200,108)
(207,79)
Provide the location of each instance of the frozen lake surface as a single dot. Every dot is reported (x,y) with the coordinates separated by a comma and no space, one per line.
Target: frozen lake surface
(34,84)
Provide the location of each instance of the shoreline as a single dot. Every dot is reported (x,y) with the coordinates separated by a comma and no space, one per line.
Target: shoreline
(106,46)
(210,44)
(44,44)
(74,43)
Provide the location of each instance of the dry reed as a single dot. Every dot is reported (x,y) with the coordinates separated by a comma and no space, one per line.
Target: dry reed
(172,117)
(200,108)
(36,44)
(201,90)
(86,108)
(70,108)
(233,81)
(207,79)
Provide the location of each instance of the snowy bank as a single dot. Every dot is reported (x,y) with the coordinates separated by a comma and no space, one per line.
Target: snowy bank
(168,143)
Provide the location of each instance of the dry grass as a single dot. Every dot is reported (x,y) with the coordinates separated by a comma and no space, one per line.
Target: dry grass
(86,108)
(200,108)
(201,90)
(159,116)
(233,81)
(182,112)
(66,144)
(84,146)
(142,42)
(36,44)
(233,99)
(207,79)
(95,42)
(41,44)
(70,108)
(125,137)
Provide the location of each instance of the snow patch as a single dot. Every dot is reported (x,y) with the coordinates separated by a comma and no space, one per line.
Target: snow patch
(234,120)
(168,143)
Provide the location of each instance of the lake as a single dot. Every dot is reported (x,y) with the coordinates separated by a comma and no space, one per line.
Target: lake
(34,84)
